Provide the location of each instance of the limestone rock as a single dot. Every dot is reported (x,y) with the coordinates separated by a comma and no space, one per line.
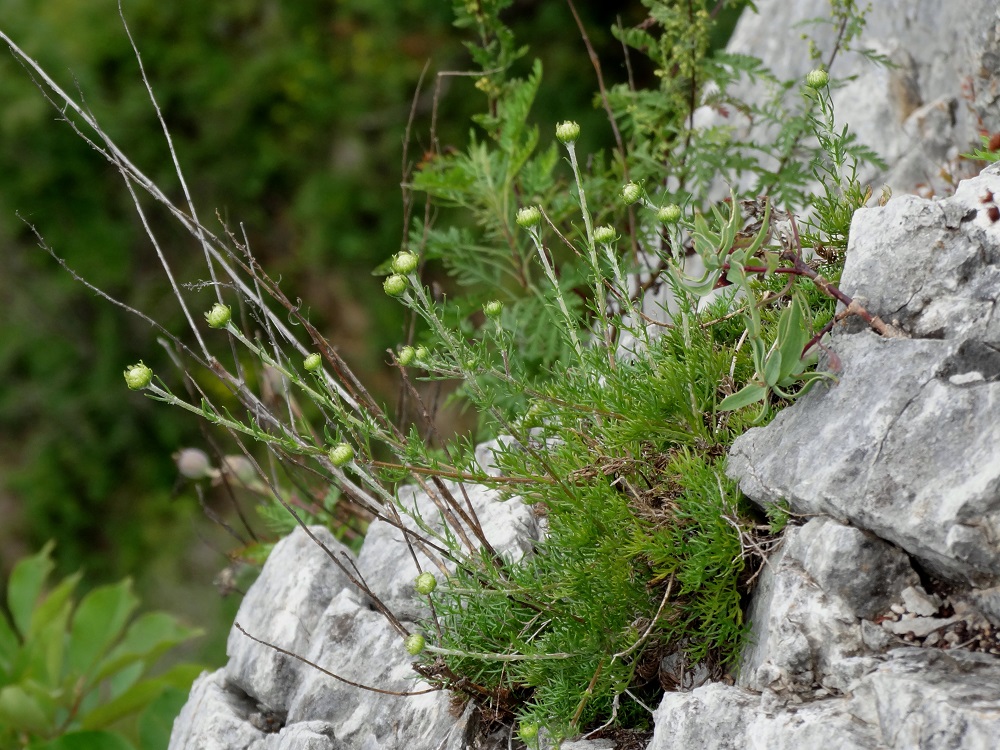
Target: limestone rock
(304,603)
(387,564)
(215,717)
(809,611)
(918,699)
(283,607)
(907,443)
(918,115)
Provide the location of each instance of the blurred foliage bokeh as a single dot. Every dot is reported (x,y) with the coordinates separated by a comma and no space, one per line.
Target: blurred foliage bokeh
(288,119)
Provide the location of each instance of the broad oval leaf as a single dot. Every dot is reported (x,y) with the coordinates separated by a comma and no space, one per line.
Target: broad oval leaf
(749,394)
(98,623)
(25,586)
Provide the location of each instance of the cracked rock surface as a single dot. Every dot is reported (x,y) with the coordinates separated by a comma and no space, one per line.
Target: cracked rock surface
(304,603)
(907,442)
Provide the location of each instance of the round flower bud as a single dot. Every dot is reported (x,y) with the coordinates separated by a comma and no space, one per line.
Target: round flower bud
(406,356)
(567,131)
(422,353)
(817,79)
(631,193)
(138,376)
(394,285)
(415,643)
(219,316)
(528,217)
(405,263)
(605,234)
(493,308)
(669,214)
(528,730)
(239,467)
(341,454)
(425,583)
(313,362)
(193,463)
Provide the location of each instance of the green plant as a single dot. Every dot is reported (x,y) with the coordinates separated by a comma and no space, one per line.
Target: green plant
(617,411)
(70,671)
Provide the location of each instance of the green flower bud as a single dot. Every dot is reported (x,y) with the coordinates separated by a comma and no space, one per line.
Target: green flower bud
(394,285)
(313,362)
(568,131)
(528,217)
(415,643)
(631,193)
(817,79)
(341,454)
(605,234)
(193,463)
(219,316)
(669,214)
(406,356)
(425,583)
(422,353)
(493,308)
(528,730)
(138,376)
(405,263)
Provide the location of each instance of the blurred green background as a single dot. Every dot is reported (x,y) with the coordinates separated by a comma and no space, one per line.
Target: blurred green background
(287,117)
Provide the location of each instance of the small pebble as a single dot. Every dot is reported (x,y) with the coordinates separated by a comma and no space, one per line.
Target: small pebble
(898,609)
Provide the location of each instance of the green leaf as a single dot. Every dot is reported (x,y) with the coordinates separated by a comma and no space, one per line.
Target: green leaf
(86,741)
(146,640)
(9,646)
(98,623)
(749,394)
(157,721)
(26,581)
(140,695)
(21,711)
(772,369)
(792,338)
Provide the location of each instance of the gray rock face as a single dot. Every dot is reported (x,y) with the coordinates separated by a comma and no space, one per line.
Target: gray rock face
(916,698)
(304,603)
(918,115)
(907,443)
(811,614)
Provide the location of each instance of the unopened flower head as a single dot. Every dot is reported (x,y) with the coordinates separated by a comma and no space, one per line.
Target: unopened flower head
(669,214)
(193,463)
(219,316)
(405,263)
(422,353)
(313,362)
(605,234)
(138,376)
(406,356)
(341,454)
(493,308)
(415,644)
(528,217)
(239,467)
(528,730)
(568,131)
(817,79)
(631,193)
(394,285)
(425,583)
